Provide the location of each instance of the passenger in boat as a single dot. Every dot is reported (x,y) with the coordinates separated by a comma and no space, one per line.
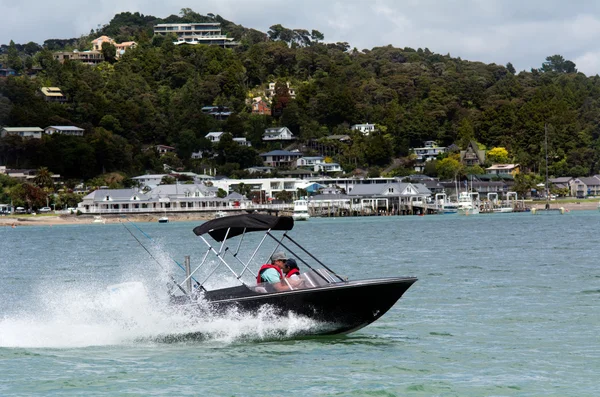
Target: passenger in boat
(272,272)
(291,270)
(292,274)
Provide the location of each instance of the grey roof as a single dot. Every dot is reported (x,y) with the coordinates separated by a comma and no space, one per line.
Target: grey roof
(562,179)
(117,195)
(590,181)
(376,189)
(66,127)
(235,196)
(27,129)
(177,189)
(323,197)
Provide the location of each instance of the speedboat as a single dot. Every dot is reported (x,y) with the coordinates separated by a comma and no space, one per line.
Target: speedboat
(300,210)
(163,219)
(339,305)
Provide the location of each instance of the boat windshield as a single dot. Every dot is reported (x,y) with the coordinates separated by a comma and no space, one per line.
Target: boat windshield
(310,279)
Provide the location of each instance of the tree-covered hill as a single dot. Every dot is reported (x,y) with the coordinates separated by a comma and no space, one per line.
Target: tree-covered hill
(154,93)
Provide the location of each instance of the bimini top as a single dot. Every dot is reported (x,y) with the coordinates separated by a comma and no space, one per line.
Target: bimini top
(238,224)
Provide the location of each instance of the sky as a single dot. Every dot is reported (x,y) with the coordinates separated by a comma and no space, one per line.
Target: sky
(523,32)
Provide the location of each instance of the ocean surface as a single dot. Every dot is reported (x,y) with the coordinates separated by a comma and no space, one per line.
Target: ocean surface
(505,305)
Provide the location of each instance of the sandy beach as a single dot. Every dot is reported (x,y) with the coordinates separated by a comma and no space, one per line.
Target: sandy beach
(55,220)
(52,220)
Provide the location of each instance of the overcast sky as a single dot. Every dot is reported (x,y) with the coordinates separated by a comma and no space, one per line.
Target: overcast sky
(523,32)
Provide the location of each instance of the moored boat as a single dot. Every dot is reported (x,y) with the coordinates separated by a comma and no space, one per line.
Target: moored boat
(339,305)
(466,204)
(300,212)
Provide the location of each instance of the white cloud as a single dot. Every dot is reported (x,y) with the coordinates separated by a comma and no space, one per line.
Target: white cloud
(498,31)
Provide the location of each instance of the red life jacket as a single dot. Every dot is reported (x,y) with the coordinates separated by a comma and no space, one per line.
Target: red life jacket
(265,267)
(292,272)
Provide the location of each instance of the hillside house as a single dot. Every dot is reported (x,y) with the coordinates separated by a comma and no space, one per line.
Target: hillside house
(278,134)
(64,130)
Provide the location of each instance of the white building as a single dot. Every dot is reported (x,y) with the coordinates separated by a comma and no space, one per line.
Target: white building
(278,134)
(270,92)
(23,132)
(366,129)
(64,130)
(214,137)
(196,33)
(428,152)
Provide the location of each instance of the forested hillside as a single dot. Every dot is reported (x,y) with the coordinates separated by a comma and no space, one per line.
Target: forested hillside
(154,93)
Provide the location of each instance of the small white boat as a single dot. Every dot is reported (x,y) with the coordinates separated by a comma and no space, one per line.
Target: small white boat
(220,214)
(163,219)
(301,210)
(99,219)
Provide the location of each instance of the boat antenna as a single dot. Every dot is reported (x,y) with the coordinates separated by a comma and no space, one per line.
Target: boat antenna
(152,256)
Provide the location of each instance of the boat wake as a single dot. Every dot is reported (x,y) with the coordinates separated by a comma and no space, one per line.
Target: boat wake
(128,314)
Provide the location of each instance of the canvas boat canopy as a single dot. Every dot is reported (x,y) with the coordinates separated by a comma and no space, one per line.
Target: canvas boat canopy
(232,226)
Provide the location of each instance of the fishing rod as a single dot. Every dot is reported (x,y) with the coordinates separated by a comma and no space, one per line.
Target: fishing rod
(153,257)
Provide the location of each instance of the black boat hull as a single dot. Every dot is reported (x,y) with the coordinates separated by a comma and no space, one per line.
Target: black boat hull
(339,308)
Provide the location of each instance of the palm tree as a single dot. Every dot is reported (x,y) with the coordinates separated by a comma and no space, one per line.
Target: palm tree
(44,178)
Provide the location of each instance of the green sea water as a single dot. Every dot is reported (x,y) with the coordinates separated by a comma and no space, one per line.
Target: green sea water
(505,305)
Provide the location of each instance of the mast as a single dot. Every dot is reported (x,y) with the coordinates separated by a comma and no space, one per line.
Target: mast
(546,145)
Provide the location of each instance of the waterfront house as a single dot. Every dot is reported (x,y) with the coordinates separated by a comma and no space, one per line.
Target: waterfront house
(561,182)
(114,201)
(389,196)
(280,158)
(278,134)
(585,186)
(23,132)
(366,128)
(64,130)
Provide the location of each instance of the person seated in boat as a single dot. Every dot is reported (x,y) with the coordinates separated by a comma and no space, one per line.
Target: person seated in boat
(292,273)
(272,272)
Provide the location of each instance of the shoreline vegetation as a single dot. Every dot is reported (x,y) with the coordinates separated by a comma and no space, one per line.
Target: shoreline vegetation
(55,220)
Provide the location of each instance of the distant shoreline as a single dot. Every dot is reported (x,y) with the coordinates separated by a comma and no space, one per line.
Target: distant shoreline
(56,220)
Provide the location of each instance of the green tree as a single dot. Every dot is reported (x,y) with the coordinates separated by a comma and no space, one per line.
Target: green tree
(448,168)
(13,60)
(497,155)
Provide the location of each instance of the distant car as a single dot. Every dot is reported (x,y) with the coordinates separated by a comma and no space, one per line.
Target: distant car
(45,209)
(20,210)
